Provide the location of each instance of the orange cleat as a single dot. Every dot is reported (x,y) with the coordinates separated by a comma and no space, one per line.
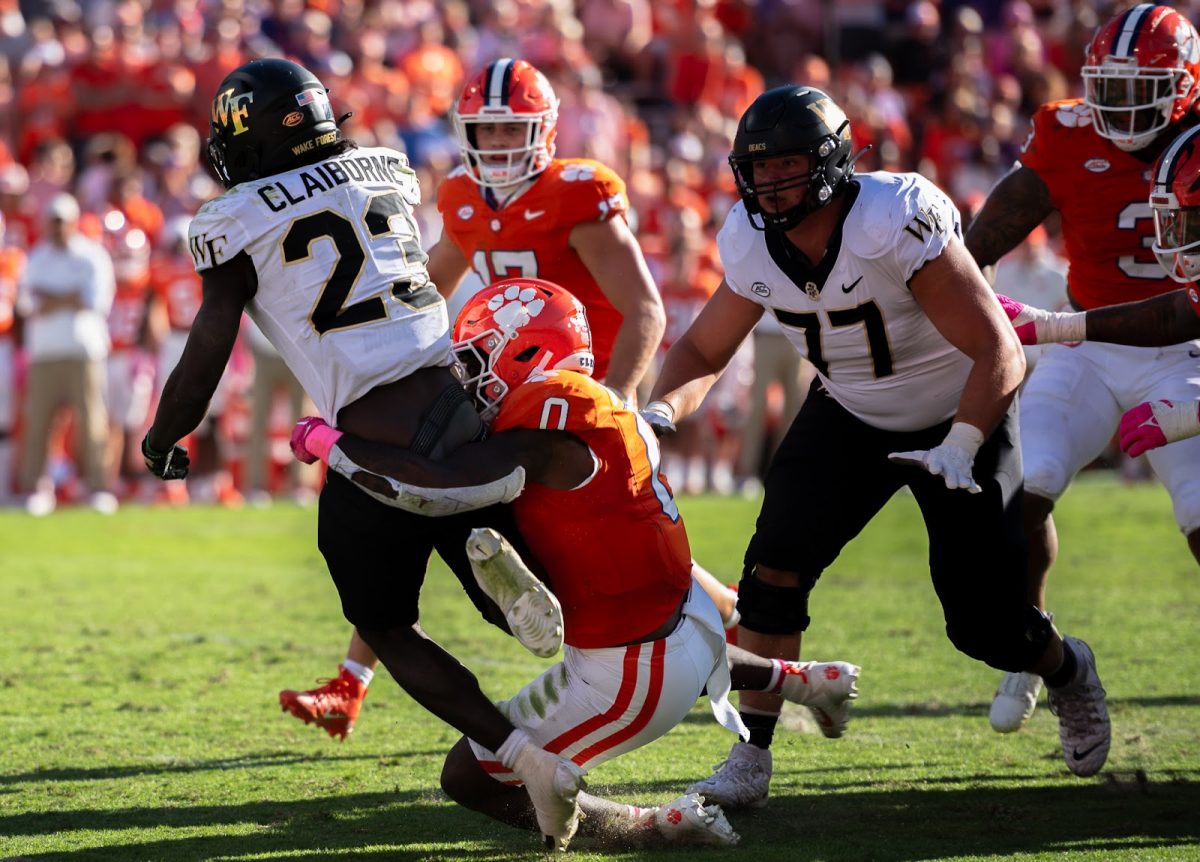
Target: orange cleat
(334,705)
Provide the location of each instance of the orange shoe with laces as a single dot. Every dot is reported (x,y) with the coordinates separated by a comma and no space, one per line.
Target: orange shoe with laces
(334,705)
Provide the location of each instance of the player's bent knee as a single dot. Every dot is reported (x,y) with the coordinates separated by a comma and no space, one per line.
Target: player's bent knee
(1046,480)
(772,609)
(996,639)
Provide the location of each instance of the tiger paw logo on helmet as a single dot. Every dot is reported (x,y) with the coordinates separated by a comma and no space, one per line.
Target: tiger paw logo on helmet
(516,306)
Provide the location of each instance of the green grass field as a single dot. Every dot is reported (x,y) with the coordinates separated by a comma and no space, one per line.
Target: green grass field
(140,657)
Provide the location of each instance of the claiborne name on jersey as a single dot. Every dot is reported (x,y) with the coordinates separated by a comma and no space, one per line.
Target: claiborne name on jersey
(324,176)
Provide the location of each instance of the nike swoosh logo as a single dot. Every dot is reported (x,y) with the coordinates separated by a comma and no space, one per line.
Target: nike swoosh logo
(530,215)
(1080,755)
(854,284)
(1195,354)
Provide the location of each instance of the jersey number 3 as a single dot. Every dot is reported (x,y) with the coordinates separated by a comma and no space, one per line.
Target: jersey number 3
(331,311)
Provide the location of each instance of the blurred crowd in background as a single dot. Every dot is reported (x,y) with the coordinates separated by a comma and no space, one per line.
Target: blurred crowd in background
(104,107)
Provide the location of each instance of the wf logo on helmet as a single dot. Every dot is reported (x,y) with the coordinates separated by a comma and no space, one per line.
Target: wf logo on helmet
(231,106)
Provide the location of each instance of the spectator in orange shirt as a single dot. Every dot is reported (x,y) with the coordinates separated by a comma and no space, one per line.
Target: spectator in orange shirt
(434,71)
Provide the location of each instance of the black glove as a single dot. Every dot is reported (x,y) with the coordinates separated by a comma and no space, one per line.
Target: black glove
(660,416)
(172,464)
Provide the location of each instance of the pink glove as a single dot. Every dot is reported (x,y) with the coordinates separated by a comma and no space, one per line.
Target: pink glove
(1156,423)
(1022,322)
(312,438)
(1140,431)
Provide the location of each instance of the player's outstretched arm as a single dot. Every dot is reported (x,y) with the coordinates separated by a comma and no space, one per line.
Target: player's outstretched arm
(185,397)
(471,477)
(696,360)
(1155,322)
(1015,206)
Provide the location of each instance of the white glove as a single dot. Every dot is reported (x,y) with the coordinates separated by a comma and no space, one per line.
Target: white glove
(953,459)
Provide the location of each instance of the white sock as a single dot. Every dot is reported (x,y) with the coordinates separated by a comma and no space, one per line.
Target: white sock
(361,672)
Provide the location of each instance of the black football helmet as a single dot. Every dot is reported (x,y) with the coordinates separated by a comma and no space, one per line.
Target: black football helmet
(268,116)
(786,121)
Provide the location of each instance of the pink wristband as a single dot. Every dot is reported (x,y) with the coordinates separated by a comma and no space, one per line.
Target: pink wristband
(320,440)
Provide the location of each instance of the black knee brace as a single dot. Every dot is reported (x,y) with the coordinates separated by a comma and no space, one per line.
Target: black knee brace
(771,609)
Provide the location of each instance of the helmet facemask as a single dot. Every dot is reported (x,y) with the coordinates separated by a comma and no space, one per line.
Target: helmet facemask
(1177,238)
(1132,105)
(517,164)
(831,167)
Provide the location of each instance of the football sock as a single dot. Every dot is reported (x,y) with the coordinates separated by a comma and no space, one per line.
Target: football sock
(761,727)
(361,672)
(1065,674)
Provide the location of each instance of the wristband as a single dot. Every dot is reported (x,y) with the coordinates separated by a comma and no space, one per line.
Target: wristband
(1062,326)
(965,436)
(1177,421)
(661,408)
(321,439)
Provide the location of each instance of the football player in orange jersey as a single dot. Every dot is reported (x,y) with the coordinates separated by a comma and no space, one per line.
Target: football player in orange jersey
(647,640)
(513,209)
(12,262)
(1090,159)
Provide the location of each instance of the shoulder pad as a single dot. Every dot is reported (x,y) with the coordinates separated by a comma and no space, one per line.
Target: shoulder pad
(587,190)
(217,232)
(888,206)
(737,237)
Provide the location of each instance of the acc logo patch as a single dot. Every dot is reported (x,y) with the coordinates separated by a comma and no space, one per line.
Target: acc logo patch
(1097,166)
(760,288)
(466,211)
(295,118)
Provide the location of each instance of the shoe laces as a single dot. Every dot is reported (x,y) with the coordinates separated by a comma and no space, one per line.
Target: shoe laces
(335,688)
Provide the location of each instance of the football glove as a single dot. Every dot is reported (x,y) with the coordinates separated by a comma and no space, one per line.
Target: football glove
(953,459)
(660,416)
(1156,423)
(172,464)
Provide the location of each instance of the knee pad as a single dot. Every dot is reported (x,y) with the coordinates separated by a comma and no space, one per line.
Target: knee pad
(773,610)
(1009,642)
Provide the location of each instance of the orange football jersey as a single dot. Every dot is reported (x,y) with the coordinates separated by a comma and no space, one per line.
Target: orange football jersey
(12,264)
(127,314)
(615,547)
(176,281)
(1103,195)
(531,235)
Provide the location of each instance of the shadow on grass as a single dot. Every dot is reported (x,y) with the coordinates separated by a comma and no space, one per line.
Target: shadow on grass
(184,765)
(1119,812)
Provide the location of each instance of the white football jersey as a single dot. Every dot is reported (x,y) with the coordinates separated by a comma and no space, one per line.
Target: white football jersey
(853,315)
(343,292)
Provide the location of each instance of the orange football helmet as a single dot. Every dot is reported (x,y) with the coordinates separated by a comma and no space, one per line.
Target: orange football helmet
(1142,74)
(515,328)
(1175,201)
(507,91)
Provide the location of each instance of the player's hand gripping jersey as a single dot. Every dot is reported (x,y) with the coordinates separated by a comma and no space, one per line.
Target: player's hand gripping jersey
(346,300)
(530,236)
(853,315)
(622,588)
(1101,193)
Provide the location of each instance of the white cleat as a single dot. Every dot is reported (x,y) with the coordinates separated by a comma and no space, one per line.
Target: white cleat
(687,820)
(553,784)
(1083,724)
(826,688)
(743,780)
(1015,701)
(533,613)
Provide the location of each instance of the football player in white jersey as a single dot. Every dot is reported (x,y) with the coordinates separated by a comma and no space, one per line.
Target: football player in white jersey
(315,239)
(917,372)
